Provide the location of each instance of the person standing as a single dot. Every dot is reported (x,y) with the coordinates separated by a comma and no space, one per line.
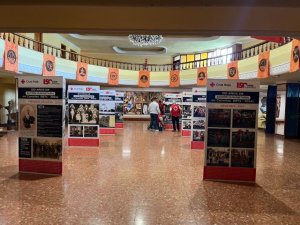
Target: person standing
(175,111)
(154,112)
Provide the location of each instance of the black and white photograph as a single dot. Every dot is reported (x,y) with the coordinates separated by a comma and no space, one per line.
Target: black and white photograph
(243,138)
(244,118)
(27,117)
(217,157)
(198,135)
(119,107)
(90,131)
(83,113)
(242,158)
(219,118)
(218,137)
(199,111)
(107,121)
(119,117)
(107,107)
(76,131)
(186,112)
(199,124)
(186,124)
(47,148)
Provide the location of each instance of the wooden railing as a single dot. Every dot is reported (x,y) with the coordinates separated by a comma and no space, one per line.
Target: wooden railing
(30,43)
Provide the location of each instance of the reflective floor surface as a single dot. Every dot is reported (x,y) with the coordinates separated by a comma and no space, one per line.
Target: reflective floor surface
(140,178)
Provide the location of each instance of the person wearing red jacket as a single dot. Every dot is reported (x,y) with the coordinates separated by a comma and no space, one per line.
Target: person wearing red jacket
(175,111)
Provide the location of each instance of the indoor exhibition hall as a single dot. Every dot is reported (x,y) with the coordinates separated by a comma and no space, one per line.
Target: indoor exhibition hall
(149,112)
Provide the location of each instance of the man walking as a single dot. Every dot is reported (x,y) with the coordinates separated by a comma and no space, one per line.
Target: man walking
(175,111)
(154,112)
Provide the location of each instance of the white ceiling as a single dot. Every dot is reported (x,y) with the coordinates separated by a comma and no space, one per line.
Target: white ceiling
(96,44)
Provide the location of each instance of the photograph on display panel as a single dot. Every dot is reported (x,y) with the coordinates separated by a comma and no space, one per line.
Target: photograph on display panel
(186,112)
(219,118)
(218,137)
(107,121)
(91,131)
(27,117)
(242,158)
(83,113)
(244,118)
(217,157)
(186,124)
(199,111)
(47,148)
(119,107)
(198,135)
(243,138)
(199,123)
(76,131)
(119,117)
(107,107)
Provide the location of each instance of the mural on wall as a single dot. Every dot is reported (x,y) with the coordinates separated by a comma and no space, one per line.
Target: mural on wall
(136,103)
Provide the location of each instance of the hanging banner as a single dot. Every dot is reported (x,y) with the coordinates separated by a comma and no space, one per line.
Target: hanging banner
(170,98)
(231,125)
(41,121)
(174,79)
(144,78)
(49,65)
(119,109)
(294,61)
(232,70)
(113,76)
(107,120)
(198,118)
(82,71)
(201,76)
(83,103)
(186,116)
(276,39)
(11,57)
(263,65)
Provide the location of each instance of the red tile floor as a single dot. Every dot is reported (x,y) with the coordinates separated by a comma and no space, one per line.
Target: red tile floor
(140,177)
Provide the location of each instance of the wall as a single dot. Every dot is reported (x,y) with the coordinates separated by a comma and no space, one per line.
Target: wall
(7,93)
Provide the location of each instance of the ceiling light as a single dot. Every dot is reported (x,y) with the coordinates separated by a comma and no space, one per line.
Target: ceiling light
(144,39)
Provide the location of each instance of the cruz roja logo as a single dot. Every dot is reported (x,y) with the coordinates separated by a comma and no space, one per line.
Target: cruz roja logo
(49,65)
(232,71)
(82,71)
(296,54)
(201,76)
(144,78)
(11,56)
(262,65)
(212,84)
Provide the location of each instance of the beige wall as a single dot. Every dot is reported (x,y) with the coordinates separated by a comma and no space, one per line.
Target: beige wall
(7,93)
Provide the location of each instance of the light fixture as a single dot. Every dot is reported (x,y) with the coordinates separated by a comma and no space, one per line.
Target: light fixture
(144,39)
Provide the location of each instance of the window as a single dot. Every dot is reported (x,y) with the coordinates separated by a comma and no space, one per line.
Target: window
(183,62)
(63,51)
(73,55)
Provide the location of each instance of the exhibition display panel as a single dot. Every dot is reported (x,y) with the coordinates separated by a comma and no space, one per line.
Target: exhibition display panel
(186,118)
(83,128)
(198,118)
(119,109)
(170,98)
(107,118)
(231,125)
(41,119)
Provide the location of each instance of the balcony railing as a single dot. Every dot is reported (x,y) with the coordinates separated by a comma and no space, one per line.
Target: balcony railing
(30,43)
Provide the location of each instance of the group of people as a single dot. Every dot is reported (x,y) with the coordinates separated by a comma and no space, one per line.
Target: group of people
(157,113)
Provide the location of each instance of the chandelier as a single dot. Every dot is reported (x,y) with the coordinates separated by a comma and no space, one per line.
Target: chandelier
(144,39)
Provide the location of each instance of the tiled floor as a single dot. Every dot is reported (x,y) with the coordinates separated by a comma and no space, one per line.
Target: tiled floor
(140,177)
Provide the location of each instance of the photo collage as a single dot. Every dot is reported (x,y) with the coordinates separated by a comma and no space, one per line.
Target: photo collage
(198,122)
(108,108)
(186,111)
(89,131)
(231,137)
